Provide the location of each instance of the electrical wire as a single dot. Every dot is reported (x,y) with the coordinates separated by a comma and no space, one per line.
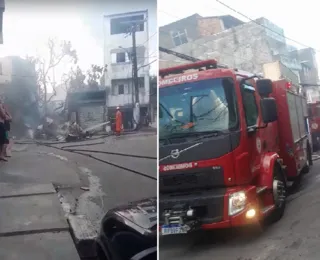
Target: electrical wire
(264,26)
(150,38)
(203,45)
(220,37)
(112,153)
(254,21)
(147,64)
(104,161)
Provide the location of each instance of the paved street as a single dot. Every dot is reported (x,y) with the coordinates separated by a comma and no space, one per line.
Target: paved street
(109,185)
(86,187)
(295,236)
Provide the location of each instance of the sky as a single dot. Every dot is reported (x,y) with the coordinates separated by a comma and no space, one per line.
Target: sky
(298,19)
(28,25)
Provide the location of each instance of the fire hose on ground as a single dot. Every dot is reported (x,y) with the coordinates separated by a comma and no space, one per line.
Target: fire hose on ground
(108,162)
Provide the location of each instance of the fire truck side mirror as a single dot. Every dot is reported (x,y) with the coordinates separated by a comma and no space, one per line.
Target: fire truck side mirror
(264,87)
(268,110)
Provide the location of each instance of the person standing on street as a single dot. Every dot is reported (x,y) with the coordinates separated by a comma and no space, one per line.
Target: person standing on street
(8,141)
(3,131)
(118,121)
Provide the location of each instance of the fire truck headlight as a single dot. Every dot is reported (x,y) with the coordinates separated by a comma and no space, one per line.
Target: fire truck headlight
(314,126)
(237,202)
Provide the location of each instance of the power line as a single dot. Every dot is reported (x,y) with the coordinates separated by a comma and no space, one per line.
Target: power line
(266,27)
(223,52)
(202,45)
(193,42)
(148,64)
(149,38)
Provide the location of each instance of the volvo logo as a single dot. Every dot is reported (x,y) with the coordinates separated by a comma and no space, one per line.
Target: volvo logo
(175,153)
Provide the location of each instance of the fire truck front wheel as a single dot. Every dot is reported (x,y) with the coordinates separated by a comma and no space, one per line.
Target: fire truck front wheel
(279,194)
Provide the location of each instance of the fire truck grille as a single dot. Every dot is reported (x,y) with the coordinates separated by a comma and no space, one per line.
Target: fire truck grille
(180,180)
(204,178)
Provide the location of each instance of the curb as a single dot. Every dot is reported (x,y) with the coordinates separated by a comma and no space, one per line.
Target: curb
(83,235)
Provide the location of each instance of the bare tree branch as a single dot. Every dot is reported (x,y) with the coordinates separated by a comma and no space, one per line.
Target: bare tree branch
(57,53)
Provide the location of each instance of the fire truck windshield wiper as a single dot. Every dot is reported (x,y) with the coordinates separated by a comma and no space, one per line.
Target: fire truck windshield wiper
(209,134)
(184,134)
(169,114)
(199,135)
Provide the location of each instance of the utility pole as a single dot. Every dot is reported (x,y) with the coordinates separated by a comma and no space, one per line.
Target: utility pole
(136,104)
(135,63)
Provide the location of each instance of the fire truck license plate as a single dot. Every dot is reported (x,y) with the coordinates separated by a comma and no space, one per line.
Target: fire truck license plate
(173,229)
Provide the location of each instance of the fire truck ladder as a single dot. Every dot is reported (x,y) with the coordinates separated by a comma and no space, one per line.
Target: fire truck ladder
(185,57)
(179,55)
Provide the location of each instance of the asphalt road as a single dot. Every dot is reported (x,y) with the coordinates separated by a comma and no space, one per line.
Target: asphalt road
(295,236)
(87,186)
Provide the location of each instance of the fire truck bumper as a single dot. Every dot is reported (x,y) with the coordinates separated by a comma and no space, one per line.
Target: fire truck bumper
(220,208)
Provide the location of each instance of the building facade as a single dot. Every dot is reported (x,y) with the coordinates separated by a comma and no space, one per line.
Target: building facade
(14,69)
(6,70)
(247,47)
(18,82)
(118,55)
(194,27)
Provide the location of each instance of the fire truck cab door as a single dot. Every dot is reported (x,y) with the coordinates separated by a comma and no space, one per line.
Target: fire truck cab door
(251,112)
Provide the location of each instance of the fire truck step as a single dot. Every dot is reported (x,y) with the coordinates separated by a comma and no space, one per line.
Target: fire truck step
(261,189)
(266,209)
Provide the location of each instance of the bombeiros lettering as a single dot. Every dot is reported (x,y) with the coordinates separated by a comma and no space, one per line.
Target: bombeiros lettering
(180,79)
(177,166)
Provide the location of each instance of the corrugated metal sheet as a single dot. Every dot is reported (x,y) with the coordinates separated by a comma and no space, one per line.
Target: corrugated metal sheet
(91,115)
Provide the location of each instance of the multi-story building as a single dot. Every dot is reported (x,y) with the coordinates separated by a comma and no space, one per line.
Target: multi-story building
(118,55)
(194,27)
(18,81)
(247,46)
(14,69)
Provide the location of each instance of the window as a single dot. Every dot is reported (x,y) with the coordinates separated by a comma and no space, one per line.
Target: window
(121,89)
(309,111)
(141,84)
(123,25)
(249,105)
(294,117)
(301,119)
(179,37)
(317,111)
(119,57)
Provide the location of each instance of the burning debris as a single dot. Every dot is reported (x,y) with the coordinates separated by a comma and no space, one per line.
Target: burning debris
(69,131)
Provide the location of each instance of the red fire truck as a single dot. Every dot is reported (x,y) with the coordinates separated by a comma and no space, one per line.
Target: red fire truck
(314,121)
(228,144)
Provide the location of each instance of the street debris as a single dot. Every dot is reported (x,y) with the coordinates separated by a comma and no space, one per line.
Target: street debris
(69,131)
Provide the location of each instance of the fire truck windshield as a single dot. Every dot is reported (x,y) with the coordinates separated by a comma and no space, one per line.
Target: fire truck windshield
(197,107)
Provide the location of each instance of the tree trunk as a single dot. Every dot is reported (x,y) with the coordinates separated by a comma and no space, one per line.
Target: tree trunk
(45,103)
